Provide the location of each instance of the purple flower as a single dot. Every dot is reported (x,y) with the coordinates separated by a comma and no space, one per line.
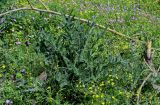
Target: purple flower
(112,21)
(9,102)
(109,8)
(120,20)
(125,8)
(133,18)
(27,43)
(116,20)
(18,43)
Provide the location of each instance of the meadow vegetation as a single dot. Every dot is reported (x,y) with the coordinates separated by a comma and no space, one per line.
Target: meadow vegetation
(112,58)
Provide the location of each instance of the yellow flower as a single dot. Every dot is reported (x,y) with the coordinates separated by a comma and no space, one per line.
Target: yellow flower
(103,103)
(81,13)
(83,85)
(125,47)
(90,88)
(110,75)
(120,92)
(91,91)
(76,85)
(97,96)
(113,97)
(108,82)
(112,83)
(102,84)
(3,66)
(49,88)
(102,95)
(1,75)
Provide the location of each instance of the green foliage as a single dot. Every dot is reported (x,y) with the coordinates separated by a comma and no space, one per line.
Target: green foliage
(85,65)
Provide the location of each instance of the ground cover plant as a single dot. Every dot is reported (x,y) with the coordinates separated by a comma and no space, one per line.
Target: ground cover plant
(79,52)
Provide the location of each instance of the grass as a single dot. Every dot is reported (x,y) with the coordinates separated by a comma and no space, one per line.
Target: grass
(54,60)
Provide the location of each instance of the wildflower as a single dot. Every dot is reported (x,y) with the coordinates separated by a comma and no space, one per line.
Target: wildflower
(23,71)
(12,30)
(112,83)
(18,43)
(120,20)
(120,92)
(110,75)
(97,96)
(112,21)
(109,8)
(133,18)
(27,43)
(103,103)
(91,91)
(46,19)
(90,88)
(1,75)
(102,84)
(20,27)
(3,66)
(9,102)
(81,13)
(76,85)
(83,85)
(49,88)
(102,95)
(113,97)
